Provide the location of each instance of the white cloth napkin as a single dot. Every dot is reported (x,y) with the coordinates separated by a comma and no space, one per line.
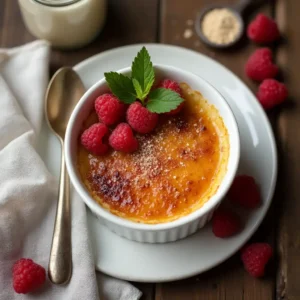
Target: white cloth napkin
(28,192)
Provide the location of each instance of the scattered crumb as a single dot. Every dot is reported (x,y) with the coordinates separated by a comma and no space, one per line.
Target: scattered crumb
(188,33)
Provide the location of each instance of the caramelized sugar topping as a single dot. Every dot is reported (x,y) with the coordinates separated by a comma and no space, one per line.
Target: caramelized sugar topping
(175,171)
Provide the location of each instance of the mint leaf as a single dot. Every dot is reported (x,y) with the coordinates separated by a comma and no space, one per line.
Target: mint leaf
(163,100)
(121,86)
(138,88)
(143,71)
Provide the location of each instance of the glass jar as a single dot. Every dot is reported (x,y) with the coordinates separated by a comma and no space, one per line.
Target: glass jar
(64,23)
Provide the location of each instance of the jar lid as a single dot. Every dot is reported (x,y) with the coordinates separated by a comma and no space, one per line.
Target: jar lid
(56,2)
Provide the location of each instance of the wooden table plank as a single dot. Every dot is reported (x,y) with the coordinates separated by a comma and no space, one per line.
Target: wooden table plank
(288,204)
(2,8)
(129,22)
(229,280)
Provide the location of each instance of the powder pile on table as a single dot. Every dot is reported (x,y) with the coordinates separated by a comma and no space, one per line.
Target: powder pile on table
(220,26)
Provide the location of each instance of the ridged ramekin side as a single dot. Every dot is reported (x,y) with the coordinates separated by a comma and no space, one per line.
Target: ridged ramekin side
(162,236)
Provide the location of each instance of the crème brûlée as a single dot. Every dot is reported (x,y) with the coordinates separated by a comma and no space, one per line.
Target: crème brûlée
(176,169)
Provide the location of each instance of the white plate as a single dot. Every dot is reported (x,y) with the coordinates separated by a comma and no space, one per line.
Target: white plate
(134,261)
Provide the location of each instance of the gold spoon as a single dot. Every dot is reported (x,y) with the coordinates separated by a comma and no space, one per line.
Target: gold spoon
(63,93)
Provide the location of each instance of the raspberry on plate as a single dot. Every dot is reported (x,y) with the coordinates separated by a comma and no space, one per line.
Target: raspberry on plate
(140,118)
(92,139)
(109,109)
(263,29)
(260,65)
(245,192)
(255,257)
(225,223)
(271,93)
(122,139)
(174,86)
(27,276)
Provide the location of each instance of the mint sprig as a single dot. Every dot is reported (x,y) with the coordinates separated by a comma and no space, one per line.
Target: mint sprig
(163,100)
(139,86)
(142,73)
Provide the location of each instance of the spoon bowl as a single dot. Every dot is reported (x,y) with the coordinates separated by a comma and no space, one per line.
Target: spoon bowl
(63,93)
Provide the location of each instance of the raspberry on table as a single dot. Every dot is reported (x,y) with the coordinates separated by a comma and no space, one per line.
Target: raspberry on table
(174,86)
(92,139)
(260,65)
(255,257)
(271,93)
(263,29)
(245,192)
(225,223)
(27,276)
(122,139)
(140,118)
(109,109)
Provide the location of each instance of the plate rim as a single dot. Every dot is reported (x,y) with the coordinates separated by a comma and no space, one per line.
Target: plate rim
(270,133)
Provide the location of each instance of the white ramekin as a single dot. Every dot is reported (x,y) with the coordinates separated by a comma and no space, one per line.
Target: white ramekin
(164,232)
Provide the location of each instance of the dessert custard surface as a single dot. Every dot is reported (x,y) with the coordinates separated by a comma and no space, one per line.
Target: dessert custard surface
(175,171)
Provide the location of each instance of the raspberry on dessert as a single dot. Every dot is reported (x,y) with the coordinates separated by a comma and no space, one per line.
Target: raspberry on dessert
(225,223)
(174,86)
(271,93)
(171,85)
(255,257)
(109,109)
(245,192)
(260,66)
(140,118)
(122,139)
(263,29)
(27,276)
(92,139)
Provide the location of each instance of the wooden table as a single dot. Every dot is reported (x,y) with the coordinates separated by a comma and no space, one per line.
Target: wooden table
(165,21)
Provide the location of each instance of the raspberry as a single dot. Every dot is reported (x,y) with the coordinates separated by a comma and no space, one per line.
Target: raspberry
(260,66)
(140,118)
(171,85)
(255,257)
(225,223)
(245,192)
(109,109)
(263,30)
(271,93)
(92,139)
(174,86)
(27,276)
(122,139)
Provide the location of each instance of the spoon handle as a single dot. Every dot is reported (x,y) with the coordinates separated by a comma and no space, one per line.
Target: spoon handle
(242,5)
(60,264)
